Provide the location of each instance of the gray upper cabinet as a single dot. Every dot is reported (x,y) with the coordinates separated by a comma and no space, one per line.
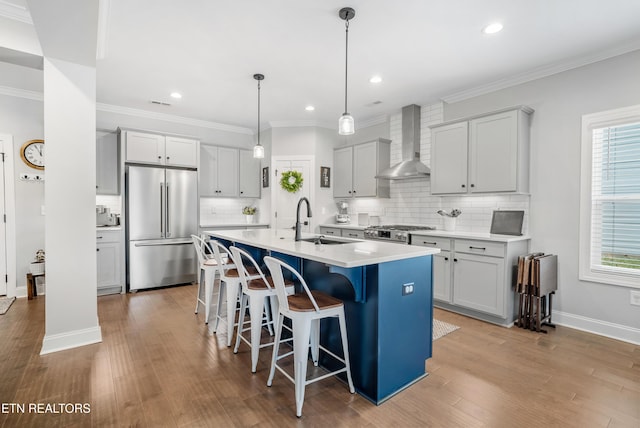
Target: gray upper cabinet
(250,177)
(218,171)
(155,149)
(107,182)
(482,155)
(355,168)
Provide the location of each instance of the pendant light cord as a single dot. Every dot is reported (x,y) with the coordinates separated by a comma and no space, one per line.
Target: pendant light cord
(258,112)
(346,61)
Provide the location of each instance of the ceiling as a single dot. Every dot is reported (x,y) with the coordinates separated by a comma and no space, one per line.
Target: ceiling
(424,51)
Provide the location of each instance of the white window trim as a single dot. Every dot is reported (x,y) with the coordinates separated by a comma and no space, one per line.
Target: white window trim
(590,122)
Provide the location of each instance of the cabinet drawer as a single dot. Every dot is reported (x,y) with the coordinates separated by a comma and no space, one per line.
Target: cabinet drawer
(431,241)
(107,236)
(486,248)
(353,233)
(334,231)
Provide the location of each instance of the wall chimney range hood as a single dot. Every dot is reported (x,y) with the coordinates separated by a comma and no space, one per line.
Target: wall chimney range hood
(410,167)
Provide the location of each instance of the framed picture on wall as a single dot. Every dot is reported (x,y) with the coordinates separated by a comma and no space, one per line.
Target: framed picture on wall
(265,176)
(325,176)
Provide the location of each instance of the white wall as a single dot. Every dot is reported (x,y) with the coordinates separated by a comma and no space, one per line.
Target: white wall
(559,102)
(23,119)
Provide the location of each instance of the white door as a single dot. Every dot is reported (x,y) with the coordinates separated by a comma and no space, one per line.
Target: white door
(286,203)
(3,229)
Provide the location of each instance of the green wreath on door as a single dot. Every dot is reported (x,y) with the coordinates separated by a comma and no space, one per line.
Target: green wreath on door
(291,181)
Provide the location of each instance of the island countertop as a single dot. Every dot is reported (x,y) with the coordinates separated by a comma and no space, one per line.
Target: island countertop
(352,254)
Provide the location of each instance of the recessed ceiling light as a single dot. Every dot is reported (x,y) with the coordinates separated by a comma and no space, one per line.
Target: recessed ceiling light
(176,95)
(375,79)
(492,28)
(309,108)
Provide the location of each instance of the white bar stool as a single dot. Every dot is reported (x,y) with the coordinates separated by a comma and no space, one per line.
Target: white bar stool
(231,279)
(256,291)
(305,311)
(208,269)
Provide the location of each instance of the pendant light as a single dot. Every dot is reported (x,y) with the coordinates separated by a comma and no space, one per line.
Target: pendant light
(258,149)
(346,125)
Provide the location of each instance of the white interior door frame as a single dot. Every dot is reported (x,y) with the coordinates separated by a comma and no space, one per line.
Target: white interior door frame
(6,147)
(308,180)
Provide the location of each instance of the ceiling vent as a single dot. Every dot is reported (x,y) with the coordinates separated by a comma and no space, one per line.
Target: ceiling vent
(160,103)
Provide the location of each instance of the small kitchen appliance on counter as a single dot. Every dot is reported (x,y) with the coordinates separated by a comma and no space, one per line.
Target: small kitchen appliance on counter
(104,217)
(343,215)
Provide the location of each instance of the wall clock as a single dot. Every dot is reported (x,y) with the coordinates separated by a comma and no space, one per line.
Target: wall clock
(32,153)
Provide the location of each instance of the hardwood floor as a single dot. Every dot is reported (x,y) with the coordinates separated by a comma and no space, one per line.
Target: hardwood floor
(158,366)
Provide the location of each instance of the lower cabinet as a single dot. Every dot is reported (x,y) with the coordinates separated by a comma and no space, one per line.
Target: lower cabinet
(474,277)
(109,261)
(339,231)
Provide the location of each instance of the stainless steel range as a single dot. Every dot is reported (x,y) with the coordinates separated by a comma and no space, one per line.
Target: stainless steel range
(393,232)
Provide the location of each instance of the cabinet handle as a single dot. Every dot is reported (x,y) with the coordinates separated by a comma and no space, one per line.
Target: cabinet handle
(354,191)
(349,191)
(99,237)
(473,185)
(329,232)
(97,249)
(159,157)
(168,158)
(455,260)
(477,248)
(353,234)
(429,243)
(446,259)
(463,186)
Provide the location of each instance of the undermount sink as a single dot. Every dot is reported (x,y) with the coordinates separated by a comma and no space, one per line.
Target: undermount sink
(327,241)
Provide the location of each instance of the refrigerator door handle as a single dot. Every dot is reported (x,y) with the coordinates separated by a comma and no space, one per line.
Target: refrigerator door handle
(161,209)
(158,244)
(167,215)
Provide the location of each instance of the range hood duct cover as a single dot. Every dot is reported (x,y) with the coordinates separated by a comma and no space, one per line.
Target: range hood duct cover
(410,167)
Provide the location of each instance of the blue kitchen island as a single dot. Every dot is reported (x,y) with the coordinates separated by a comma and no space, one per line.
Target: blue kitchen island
(388,297)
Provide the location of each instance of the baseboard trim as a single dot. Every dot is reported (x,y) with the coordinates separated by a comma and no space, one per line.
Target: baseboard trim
(69,340)
(599,327)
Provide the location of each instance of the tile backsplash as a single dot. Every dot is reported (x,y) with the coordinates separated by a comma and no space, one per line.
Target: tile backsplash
(216,211)
(411,201)
(114,203)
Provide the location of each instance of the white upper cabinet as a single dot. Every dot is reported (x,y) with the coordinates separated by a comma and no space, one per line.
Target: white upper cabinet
(480,155)
(250,177)
(449,159)
(181,152)
(218,171)
(343,172)
(355,169)
(107,182)
(157,149)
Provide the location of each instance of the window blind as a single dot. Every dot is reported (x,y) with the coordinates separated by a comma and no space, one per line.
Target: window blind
(615,200)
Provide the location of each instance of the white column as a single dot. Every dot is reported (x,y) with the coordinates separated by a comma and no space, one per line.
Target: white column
(71,318)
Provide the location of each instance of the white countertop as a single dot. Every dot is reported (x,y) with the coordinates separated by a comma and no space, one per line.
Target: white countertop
(484,236)
(101,228)
(355,253)
(233,225)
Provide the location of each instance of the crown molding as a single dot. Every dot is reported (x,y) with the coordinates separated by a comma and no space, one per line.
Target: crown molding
(21,93)
(539,73)
(15,12)
(298,124)
(372,121)
(172,118)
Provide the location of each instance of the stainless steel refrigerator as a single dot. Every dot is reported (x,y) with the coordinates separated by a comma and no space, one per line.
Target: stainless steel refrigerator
(161,207)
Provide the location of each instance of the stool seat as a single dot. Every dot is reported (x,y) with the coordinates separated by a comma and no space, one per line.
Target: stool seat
(233,273)
(300,302)
(259,284)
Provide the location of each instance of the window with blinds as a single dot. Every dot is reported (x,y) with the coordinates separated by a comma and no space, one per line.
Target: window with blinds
(613,209)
